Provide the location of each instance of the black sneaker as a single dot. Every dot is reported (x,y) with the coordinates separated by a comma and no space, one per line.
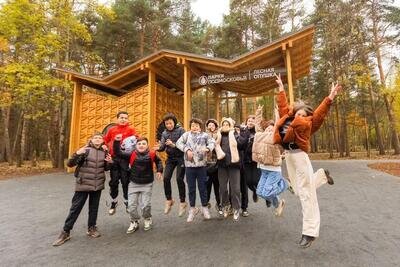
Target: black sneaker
(113,208)
(255,197)
(306,241)
(328,177)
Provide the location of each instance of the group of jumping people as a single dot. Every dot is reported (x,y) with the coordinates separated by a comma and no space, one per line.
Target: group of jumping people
(227,157)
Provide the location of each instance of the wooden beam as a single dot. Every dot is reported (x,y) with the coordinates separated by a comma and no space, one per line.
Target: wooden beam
(187,97)
(151,105)
(164,76)
(74,135)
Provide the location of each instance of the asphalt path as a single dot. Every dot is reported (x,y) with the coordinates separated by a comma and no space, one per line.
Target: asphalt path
(360,218)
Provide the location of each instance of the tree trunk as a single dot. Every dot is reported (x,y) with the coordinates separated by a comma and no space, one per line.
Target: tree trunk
(16,150)
(6,136)
(61,142)
(374,114)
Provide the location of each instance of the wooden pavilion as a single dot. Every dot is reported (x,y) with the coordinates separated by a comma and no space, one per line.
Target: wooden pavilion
(164,82)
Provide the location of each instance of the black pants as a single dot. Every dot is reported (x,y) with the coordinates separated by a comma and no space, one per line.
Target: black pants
(170,165)
(118,173)
(213,180)
(243,191)
(252,175)
(78,201)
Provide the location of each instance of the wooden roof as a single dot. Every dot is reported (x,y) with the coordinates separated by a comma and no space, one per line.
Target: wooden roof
(168,66)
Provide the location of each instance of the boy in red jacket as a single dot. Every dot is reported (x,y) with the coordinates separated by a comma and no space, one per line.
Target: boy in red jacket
(119,169)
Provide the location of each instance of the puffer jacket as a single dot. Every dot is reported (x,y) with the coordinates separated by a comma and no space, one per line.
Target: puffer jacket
(301,128)
(141,170)
(197,143)
(265,151)
(174,135)
(90,175)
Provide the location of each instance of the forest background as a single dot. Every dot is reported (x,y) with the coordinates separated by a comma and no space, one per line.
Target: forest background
(356,42)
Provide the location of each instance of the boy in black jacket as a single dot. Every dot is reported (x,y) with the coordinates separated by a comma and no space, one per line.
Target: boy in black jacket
(141,179)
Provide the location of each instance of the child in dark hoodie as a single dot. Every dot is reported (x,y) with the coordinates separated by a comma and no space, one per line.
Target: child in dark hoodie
(170,135)
(141,178)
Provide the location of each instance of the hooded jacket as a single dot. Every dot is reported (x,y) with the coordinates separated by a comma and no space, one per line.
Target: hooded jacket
(174,135)
(90,175)
(198,143)
(301,128)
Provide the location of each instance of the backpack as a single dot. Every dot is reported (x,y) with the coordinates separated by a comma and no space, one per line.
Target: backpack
(152,155)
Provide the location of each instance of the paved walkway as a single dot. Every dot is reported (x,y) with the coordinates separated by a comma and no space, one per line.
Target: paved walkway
(360,226)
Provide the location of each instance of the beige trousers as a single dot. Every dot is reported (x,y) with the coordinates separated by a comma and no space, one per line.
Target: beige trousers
(305,183)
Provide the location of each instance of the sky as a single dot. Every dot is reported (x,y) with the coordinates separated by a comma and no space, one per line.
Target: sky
(213,10)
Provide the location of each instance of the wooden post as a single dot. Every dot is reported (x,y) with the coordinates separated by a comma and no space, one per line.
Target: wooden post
(151,130)
(187,96)
(217,113)
(74,135)
(288,63)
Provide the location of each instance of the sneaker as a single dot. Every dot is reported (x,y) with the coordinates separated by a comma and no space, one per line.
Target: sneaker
(236,215)
(328,177)
(279,209)
(147,224)
(113,208)
(133,227)
(255,197)
(192,212)
(230,211)
(93,232)
(64,237)
(245,213)
(226,212)
(206,212)
(126,206)
(182,209)
(168,205)
(220,211)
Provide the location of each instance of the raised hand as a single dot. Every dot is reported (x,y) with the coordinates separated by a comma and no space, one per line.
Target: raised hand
(335,89)
(108,157)
(81,150)
(279,82)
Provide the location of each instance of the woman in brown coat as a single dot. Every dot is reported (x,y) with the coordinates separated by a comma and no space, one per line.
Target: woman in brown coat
(293,132)
(91,162)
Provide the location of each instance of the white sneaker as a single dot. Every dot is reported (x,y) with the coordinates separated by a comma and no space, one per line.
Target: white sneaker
(279,209)
(192,213)
(168,205)
(133,227)
(206,213)
(236,215)
(182,209)
(147,224)
(226,212)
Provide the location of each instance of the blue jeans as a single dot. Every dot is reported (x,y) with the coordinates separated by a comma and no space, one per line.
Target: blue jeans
(199,174)
(271,184)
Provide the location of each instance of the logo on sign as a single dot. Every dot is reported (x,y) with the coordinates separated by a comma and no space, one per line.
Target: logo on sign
(203,80)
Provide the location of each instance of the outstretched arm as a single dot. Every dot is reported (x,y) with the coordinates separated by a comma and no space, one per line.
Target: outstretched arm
(322,110)
(281,100)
